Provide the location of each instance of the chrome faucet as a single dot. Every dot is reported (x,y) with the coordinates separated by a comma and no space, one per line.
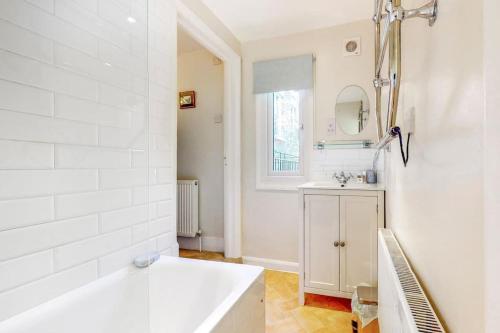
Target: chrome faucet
(343,178)
(146,259)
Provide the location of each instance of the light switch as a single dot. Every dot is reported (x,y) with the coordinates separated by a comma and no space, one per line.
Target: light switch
(218,118)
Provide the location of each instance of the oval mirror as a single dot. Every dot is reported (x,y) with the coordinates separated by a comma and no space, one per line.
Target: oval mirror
(352,110)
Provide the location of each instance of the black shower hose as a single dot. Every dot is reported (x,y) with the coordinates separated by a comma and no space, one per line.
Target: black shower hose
(404,156)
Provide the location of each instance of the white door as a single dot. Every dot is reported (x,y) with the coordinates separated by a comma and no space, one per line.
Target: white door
(358,242)
(322,231)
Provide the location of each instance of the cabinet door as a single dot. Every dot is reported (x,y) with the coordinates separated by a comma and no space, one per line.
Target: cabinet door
(321,231)
(358,236)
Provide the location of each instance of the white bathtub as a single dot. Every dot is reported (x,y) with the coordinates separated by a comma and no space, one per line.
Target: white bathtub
(184,296)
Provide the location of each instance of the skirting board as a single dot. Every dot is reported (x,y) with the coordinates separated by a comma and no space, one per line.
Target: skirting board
(276,265)
(212,244)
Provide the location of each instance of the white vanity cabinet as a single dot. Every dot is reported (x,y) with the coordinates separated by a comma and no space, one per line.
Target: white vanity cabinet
(338,238)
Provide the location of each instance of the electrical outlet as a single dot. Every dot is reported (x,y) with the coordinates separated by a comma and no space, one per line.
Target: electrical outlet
(331,127)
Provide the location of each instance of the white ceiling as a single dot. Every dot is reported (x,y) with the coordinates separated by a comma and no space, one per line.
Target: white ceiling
(185,43)
(257,19)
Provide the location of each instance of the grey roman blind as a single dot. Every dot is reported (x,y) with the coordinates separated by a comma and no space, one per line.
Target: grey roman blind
(294,73)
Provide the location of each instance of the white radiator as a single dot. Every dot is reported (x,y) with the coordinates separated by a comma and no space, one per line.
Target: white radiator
(403,306)
(187,208)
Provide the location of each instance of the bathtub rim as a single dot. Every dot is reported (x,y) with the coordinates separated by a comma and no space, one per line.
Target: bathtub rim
(251,275)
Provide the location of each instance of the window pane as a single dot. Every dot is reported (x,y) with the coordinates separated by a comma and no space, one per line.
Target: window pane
(286,131)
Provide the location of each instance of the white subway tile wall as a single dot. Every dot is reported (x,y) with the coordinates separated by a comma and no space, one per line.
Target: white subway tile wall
(86,174)
(324,163)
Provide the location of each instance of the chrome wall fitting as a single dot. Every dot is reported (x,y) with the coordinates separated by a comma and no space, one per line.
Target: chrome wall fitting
(379,83)
(390,40)
(428,11)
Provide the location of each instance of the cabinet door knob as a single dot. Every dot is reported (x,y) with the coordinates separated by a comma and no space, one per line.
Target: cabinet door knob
(336,244)
(342,244)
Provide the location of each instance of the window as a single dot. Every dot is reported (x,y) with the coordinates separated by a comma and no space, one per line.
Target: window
(283,90)
(285,137)
(281,133)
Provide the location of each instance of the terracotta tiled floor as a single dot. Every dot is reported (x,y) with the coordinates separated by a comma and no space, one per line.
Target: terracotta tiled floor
(283,313)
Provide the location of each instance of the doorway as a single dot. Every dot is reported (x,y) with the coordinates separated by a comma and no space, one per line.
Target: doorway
(192,26)
(200,146)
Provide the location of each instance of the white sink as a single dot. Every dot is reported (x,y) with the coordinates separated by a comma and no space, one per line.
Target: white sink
(333,185)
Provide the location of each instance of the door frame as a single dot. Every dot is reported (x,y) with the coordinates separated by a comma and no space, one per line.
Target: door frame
(204,35)
(491,141)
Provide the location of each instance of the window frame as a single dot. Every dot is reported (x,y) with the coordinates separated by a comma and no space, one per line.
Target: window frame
(266,177)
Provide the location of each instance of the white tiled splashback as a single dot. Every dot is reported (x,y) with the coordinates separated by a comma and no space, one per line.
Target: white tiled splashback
(324,163)
(75,142)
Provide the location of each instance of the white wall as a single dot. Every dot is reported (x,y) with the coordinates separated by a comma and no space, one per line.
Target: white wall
(435,205)
(270,218)
(74,143)
(200,142)
(216,25)
(491,164)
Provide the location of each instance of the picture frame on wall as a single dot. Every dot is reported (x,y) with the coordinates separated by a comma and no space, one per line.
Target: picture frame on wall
(187,99)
